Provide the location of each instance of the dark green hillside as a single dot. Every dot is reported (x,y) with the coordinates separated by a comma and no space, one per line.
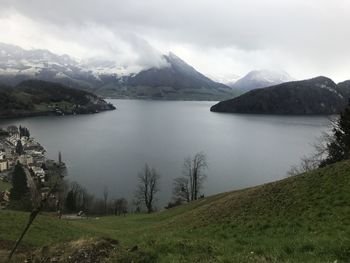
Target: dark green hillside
(344,87)
(35,97)
(312,96)
(305,218)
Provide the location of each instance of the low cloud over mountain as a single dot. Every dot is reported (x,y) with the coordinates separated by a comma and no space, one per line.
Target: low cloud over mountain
(172,79)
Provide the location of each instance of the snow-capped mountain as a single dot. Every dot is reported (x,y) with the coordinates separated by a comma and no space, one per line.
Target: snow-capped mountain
(177,74)
(260,79)
(17,64)
(227,80)
(176,80)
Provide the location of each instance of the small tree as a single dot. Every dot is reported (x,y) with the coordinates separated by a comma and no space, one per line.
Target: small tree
(148,187)
(23,131)
(338,148)
(59,158)
(87,201)
(175,203)
(71,202)
(19,147)
(105,198)
(188,187)
(181,189)
(20,188)
(120,206)
(77,198)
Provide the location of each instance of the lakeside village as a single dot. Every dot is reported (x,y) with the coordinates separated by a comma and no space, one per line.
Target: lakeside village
(16,146)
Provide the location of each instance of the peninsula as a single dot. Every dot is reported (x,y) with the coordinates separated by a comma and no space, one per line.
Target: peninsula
(37,98)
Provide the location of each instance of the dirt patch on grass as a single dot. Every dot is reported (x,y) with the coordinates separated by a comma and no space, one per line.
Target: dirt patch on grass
(82,250)
(91,250)
(6,246)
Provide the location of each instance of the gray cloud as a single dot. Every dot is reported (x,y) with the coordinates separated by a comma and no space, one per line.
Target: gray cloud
(303,37)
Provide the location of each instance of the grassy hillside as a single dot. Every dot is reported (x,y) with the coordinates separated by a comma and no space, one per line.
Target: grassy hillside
(304,218)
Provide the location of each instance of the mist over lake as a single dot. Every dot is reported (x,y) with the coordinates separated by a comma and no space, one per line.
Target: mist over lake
(110,148)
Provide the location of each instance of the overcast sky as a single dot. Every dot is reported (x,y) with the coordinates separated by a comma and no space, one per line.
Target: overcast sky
(220,38)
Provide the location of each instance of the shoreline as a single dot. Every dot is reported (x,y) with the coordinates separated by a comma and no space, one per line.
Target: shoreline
(51,113)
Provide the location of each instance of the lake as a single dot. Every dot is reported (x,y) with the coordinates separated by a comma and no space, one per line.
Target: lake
(110,148)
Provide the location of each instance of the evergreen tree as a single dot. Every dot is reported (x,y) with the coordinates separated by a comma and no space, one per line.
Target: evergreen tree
(19,184)
(339,147)
(71,202)
(23,131)
(19,147)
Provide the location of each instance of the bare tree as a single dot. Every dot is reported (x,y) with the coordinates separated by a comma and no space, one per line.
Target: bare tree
(87,201)
(147,187)
(120,206)
(136,205)
(105,198)
(182,189)
(189,186)
(314,160)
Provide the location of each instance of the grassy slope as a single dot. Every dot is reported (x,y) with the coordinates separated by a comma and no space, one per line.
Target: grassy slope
(4,185)
(305,218)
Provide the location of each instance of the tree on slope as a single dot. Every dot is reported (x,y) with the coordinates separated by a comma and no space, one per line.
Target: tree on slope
(147,187)
(20,190)
(188,187)
(338,148)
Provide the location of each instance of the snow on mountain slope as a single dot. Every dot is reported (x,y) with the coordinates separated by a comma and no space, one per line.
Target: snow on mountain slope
(261,78)
(174,80)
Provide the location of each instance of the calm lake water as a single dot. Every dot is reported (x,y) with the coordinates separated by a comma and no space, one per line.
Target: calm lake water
(110,148)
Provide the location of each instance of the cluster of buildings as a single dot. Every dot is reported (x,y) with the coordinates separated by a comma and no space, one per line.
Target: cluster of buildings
(17,148)
(4,165)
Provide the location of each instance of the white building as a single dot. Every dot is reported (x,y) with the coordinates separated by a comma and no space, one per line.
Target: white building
(26,159)
(13,139)
(39,172)
(4,166)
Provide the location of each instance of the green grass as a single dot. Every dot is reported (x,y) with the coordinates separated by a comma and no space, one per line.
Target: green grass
(304,218)
(63,106)
(4,186)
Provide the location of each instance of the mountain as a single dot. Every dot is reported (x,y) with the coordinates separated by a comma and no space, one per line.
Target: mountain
(177,80)
(257,79)
(313,96)
(17,64)
(227,80)
(37,97)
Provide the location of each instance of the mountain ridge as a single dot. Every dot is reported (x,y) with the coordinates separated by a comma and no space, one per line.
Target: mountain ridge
(318,95)
(178,80)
